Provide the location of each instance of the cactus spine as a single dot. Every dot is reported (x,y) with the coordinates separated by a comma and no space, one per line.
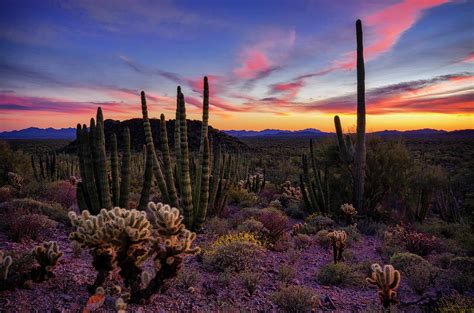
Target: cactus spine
(356,156)
(387,281)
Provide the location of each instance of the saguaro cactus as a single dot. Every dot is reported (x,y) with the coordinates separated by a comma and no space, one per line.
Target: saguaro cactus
(357,156)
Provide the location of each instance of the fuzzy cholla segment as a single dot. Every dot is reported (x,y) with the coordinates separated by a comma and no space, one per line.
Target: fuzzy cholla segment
(169,225)
(5,263)
(47,254)
(387,280)
(348,210)
(110,228)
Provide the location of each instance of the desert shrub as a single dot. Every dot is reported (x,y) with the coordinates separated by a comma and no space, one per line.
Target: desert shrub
(250,280)
(13,161)
(371,228)
(217,226)
(54,211)
(392,242)
(233,252)
(418,271)
(276,204)
(420,243)
(295,299)
(284,243)
(250,225)
(334,274)
(322,239)
(302,241)
(62,192)
(353,234)
(275,222)
(443,260)
(23,261)
(461,273)
(242,198)
(315,223)
(6,194)
(286,273)
(458,237)
(454,303)
(27,226)
(188,278)
(294,209)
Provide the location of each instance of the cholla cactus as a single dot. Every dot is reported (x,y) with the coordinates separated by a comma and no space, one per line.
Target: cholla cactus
(126,238)
(47,256)
(291,192)
(5,263)
(338,239)
(15,180)
(349,212)
(296,229)
(120,306)
(387,281)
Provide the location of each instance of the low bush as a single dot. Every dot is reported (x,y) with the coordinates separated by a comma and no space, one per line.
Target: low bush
(295,299)
(286,273)
(353,234)
(322,239)
(217,226)
(53,211)
(284,243)
(251,225)
(275,223)
(314,223)
(234,252)
(334,274)
(454,303)
(461,273)
(250,281)
(242,198)
(28,226)
(302,241)
(62,192)
(418,271)
(420,243)
(188,278)
(6,194)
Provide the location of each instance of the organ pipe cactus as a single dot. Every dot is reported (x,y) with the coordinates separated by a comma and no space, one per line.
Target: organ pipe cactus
(147,179)
(356,157)
(314,183)
(199,194)
(338,240)
(387,281)
(93,193)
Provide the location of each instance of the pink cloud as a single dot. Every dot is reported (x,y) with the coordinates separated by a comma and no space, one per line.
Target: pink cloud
(290,90)
(469,58)
(254,62)
(265,55)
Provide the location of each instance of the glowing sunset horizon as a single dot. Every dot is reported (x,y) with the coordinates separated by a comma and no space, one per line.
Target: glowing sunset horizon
(292,69)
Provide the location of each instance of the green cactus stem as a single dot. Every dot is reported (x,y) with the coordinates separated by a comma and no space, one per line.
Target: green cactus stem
(125,170)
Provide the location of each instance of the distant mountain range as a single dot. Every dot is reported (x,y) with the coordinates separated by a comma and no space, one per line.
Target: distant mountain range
(70,133)
(40,133)
(311,132)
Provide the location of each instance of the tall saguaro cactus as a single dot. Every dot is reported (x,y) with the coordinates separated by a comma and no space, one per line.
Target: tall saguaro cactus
(357,156)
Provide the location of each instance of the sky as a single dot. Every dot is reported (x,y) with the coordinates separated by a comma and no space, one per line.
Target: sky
(271,63)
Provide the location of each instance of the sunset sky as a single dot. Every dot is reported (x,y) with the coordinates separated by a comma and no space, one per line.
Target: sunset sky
(271,63)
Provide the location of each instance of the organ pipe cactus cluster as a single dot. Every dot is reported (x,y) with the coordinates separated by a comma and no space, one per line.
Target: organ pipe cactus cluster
(255,183)
(338,239)
(127,238)
(95,191)
(356,156)
(206,192)
(5,263)
(51,166)
(387,281)
(314,183)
